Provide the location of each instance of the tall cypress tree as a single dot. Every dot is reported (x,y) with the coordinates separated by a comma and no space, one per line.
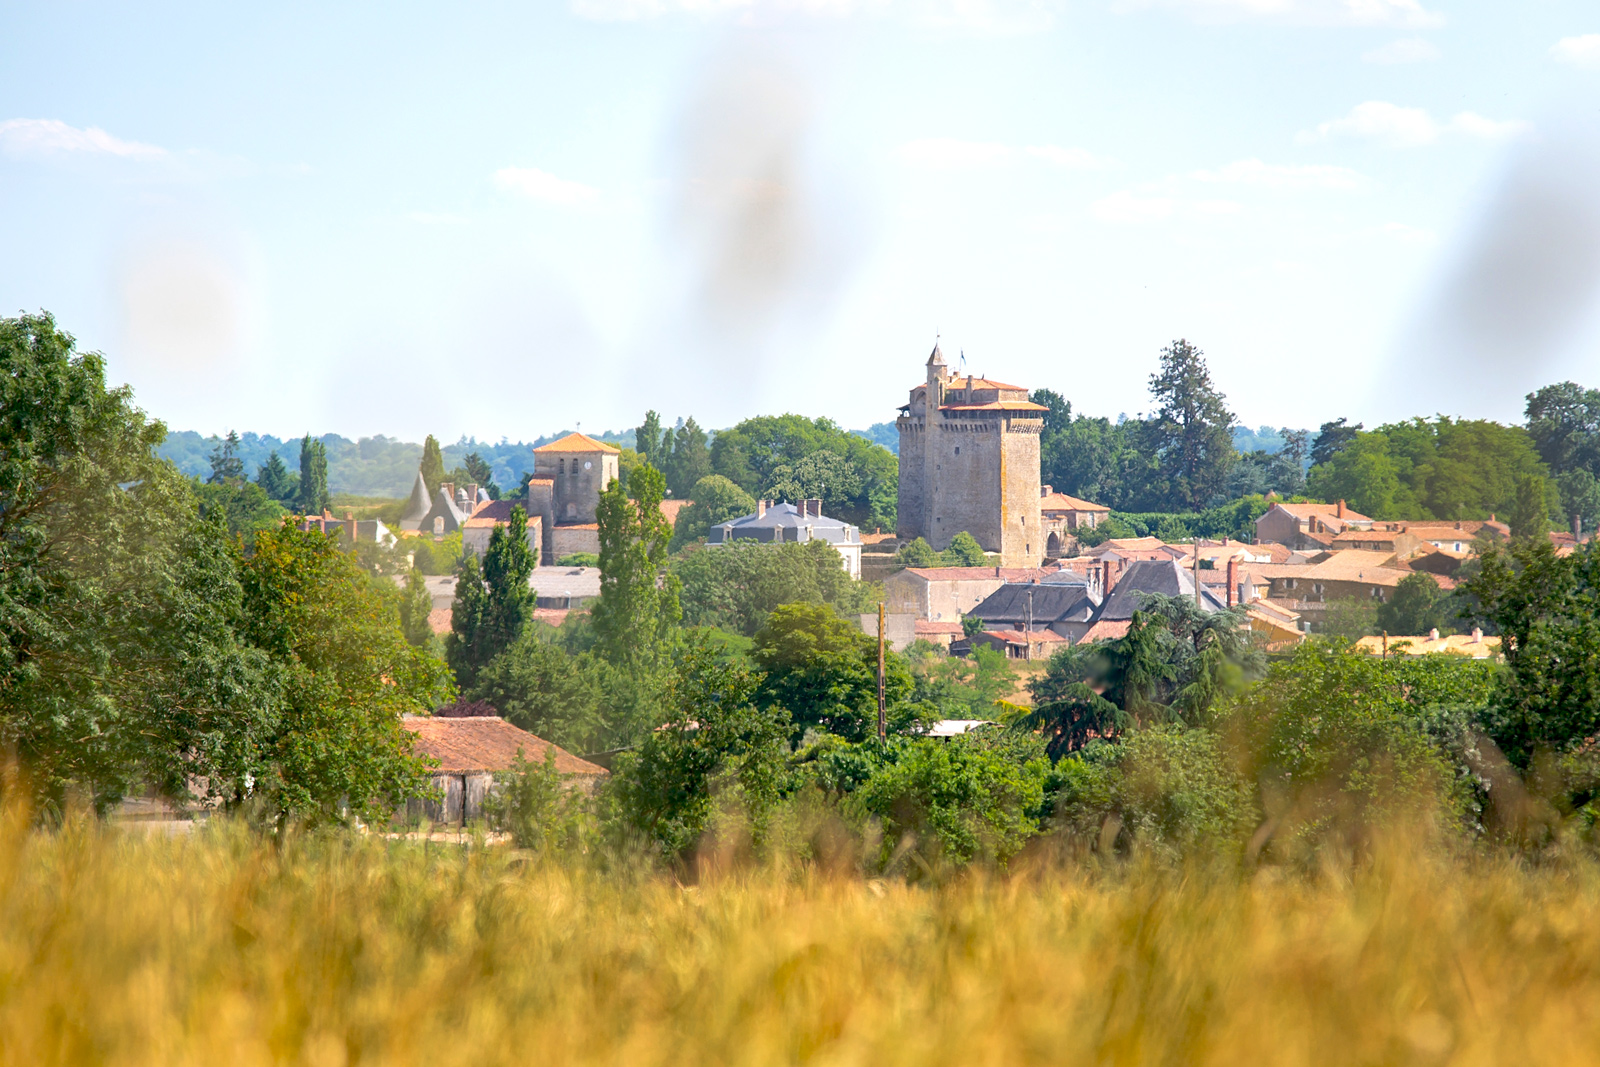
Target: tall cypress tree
(1192,432)
(493,603)
(647,439)
(638,608)
(313,498)
(691,459)
(432,466)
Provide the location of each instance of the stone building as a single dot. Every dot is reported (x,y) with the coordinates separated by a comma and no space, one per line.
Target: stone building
(568,477)
(776,524)
(969,460)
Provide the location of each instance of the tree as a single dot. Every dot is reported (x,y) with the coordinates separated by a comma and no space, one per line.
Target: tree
(481,474)
(821,475)
(1542,605)
(964,551)
(432,466)
(245,507)
(547,691)
(715,500)
(718,753)
(118,656)
(493,606)
(735,587)
(226,466)
(313,488)
(1580,497)
(1417,607)
(917,553)
(647,439)
(1564,422)
(824,670)
(348,675)
(691,459)
(1530,514)
(275,480)
(1331,440)
(638,611)
(1192,431)
(749,453)
(416,604)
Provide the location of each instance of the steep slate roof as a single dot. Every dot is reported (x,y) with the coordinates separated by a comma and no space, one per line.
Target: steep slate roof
(486,743)
(577,442)
(417,505)
(783,516)
(1165,577)
(1052,602)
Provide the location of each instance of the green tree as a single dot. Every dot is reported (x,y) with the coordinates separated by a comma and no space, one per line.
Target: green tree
(647,439)
(226,466)
(1351,618)
(691,459)
(917,553)
(638,611)
(1192,431)
(1331,440)
(275,480)
(416,604)
(348,675)
(1530,514)
(748,455)
(964,551)
(481,474)
(1417,607)
(736,586)
(825,671)
(1564,422)
(716,768)
(119,660)
(715,500)
(551,693)
(1580,497)
(432,466)
(244,506)
(1542,605)
(821,475)
(313,488)
(493,605)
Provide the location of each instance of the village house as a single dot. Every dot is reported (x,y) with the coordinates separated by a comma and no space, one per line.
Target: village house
(470,751)
(564,490)
(1064,603)
(1015,644)
(945,594)
(1337,576)
(1308,526)
(792,524)
(1062,516)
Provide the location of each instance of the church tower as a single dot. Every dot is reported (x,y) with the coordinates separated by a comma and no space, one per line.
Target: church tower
(969,461)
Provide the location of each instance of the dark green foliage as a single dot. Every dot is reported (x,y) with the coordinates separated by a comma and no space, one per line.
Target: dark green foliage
(536,806)
(823,475)
(1192,432)
(964,551)
(549,692)
(917,553)
(734,587)
(492,612)
(415,605)
(1350,618)
(750,454)
(638,611)
(226,466)
(275,480)
(824,671)
(647,440)
(433,557)
(1564,422)
(1417,606)
(955,801)
(690,459)
(244,506)
(432,467)
(1236,520)
(480,473)
(1332,439)
(467,613)
(1445,469)
(579,559)
(1530,511)
(313,496)
(347,676)
(716,499)
(1543,606)
(716,768)
(1580,496)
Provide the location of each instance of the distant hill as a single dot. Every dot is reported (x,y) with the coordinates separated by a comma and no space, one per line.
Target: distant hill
(372,466)
(882,433)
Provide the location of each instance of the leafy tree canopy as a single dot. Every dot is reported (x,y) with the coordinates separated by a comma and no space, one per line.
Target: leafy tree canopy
(735,587)
(825,670)
(750,454)
(715,499)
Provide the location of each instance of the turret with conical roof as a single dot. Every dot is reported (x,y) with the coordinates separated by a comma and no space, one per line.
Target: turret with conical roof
(936,376)
(417,506)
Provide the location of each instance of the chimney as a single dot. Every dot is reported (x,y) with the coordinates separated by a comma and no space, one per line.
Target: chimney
(761,508)
(814,507)
(1433,634)
(449,490)
(472,492)
(1046,490)
(1233,578)
(1339,511)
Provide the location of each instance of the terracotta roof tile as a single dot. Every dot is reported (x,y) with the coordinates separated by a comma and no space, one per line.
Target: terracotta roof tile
(996,405)
(928,626)
(578,442)
(1063,502)
(486,743)
(1106,630)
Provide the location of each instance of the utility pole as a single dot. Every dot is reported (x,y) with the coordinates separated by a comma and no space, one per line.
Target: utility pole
(1029,632)
(1197,603)
(883,717)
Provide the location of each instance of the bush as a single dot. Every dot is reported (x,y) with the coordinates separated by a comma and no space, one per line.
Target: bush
(436,557)
(735,587)
(579,559)
(535,805)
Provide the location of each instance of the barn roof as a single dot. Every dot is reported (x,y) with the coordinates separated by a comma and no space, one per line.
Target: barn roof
(486,743)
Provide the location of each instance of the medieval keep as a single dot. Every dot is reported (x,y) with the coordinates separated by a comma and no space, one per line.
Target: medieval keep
(969,460)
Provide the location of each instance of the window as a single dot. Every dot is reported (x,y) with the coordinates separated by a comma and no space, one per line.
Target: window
(572,510)
(958,450)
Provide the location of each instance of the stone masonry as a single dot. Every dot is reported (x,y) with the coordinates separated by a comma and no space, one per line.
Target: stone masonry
(969,460)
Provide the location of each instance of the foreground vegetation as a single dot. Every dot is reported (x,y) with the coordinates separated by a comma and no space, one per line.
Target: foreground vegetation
(125,948)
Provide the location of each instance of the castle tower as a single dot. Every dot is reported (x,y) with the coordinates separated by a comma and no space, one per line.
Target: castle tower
(969,461)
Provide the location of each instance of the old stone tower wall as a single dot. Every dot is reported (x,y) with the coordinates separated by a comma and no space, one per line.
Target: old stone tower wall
(912,502)
(966,476)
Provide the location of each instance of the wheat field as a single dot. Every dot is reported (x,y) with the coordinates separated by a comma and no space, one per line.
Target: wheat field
(222,948)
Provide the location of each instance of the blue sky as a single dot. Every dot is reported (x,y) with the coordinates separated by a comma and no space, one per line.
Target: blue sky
(506,219)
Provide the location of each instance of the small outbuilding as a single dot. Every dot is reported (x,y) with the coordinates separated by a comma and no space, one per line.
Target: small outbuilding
(470,751)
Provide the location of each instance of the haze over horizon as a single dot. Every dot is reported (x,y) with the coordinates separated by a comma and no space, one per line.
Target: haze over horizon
(501,222)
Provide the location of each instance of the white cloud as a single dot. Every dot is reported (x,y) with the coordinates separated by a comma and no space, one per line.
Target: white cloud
(1276,176)
(539,185)
(996,16)
(43,137)
(1405,50)
(1578,51)
(1409,127)
(1300,12)
(1129,208)
(950,153)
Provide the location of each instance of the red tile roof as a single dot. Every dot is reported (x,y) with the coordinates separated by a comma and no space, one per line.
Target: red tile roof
(928,626)
(1063,502)
(1107,630)
(996,405)
(486,743)
(439,620)
(670,509)
(578,442)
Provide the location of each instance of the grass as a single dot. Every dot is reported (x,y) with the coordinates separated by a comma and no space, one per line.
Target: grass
(120,947)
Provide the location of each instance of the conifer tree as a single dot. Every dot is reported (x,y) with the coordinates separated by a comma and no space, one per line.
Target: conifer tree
(432,466)
(275,480)
(647,439)
(638,608)
(498,600)
(313,489)
(226,466)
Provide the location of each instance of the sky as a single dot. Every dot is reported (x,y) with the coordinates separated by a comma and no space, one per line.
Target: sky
(502,220)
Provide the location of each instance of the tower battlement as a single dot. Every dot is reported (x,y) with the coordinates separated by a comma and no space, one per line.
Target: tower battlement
(969,461)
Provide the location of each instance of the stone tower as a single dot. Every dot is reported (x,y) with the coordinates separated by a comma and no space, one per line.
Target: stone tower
(969,460)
